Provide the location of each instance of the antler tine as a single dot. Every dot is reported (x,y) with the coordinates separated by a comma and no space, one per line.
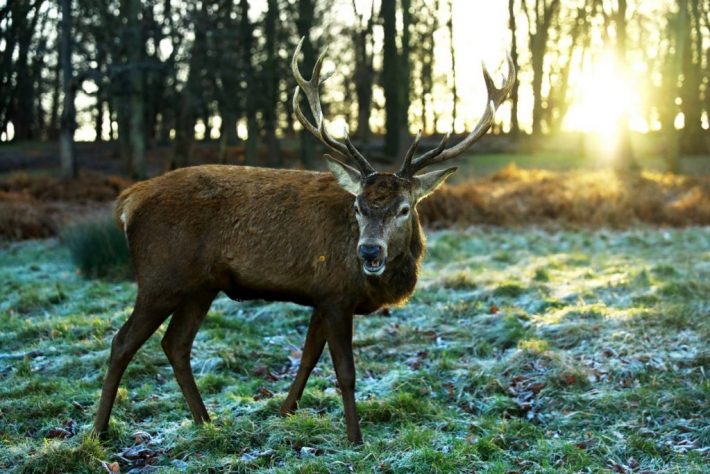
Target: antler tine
(410,153)
(310,89)
(365,165)
(495,97)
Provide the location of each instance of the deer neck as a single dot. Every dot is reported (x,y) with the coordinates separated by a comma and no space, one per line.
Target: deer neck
(396,285)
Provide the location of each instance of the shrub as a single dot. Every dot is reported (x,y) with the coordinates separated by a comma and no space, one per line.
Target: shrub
(98,248)
(21,219)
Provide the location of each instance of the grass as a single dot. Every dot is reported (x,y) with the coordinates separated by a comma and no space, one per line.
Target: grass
(98,247)
(521,350)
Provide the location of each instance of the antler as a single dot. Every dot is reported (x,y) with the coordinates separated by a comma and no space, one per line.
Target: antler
(441,153)
(310,88)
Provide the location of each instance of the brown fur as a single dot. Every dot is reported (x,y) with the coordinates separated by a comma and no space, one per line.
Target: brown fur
(280,235)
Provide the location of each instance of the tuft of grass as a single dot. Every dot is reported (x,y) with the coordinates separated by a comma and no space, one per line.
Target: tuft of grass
(510,289)
(98,248)
(56,456)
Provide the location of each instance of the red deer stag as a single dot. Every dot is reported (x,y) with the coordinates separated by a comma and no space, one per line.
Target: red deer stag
(344,243)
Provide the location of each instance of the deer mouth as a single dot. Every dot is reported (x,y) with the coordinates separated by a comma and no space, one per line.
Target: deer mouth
(374,267)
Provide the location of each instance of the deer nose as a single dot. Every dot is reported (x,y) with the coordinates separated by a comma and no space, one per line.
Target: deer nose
(370,252)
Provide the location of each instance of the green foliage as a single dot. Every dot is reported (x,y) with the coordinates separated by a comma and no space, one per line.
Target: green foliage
(98,248)
(491,367)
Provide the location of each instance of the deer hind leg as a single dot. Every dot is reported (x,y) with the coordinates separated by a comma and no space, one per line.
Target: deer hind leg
(312,350)
(339,334)
(177,344)
(147,316)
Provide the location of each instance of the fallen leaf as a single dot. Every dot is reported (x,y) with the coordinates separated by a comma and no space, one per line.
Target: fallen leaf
(111,468)
(60,433)
(263,393)
(141,437)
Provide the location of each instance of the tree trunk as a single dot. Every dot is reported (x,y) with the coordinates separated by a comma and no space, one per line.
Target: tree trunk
(271,80)
(390,79)
(692,140)
(405,68)
(53,132)
(512,25)
(364,76)
(23,116)
(452,53)
(304,23)
(135,54)
(68,120)
(543,15)
(227,135)
(625,155)
(246,36)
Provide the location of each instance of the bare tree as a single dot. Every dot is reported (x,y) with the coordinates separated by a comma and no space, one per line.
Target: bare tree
(452,53)
(390,79)
(304,23)
(364,77)
(135,52)
(427,22)
(513,26)
(271,82)
(691,54)
(68,120)
(539,14)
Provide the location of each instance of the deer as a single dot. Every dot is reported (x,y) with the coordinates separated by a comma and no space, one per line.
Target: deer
(343,242)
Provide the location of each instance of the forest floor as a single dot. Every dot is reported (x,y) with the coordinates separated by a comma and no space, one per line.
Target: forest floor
(521,351)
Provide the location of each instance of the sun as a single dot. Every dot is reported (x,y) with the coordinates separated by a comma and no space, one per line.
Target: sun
(604,96)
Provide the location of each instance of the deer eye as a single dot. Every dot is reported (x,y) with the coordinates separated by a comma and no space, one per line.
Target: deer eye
(404,212)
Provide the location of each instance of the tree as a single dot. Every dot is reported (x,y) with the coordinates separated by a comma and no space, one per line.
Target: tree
(426,23)
(304,23)
(246,40)
(405,69)
(135,52)
(68,120)
(573,24)
(364,76)
(18,33)
(692,139)
(390,79)
(452,54)
(512,25)
(187,115)
(271,81)
(539,15)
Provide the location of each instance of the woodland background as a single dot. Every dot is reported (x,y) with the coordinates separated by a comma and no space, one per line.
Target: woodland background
(167,75)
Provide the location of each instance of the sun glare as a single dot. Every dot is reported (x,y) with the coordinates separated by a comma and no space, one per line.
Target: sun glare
(604,95)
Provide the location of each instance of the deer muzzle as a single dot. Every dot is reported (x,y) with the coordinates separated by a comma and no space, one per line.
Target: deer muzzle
(373,254)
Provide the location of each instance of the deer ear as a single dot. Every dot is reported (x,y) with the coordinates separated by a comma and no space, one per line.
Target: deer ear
(425,184)
(348,177)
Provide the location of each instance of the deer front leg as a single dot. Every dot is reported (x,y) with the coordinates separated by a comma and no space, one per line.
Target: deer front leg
(339,334)
(312,350)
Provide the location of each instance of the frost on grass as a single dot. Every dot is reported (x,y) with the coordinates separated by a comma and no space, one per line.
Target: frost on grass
(520,351)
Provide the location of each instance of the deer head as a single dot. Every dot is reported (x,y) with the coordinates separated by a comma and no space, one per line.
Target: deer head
(384,203)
